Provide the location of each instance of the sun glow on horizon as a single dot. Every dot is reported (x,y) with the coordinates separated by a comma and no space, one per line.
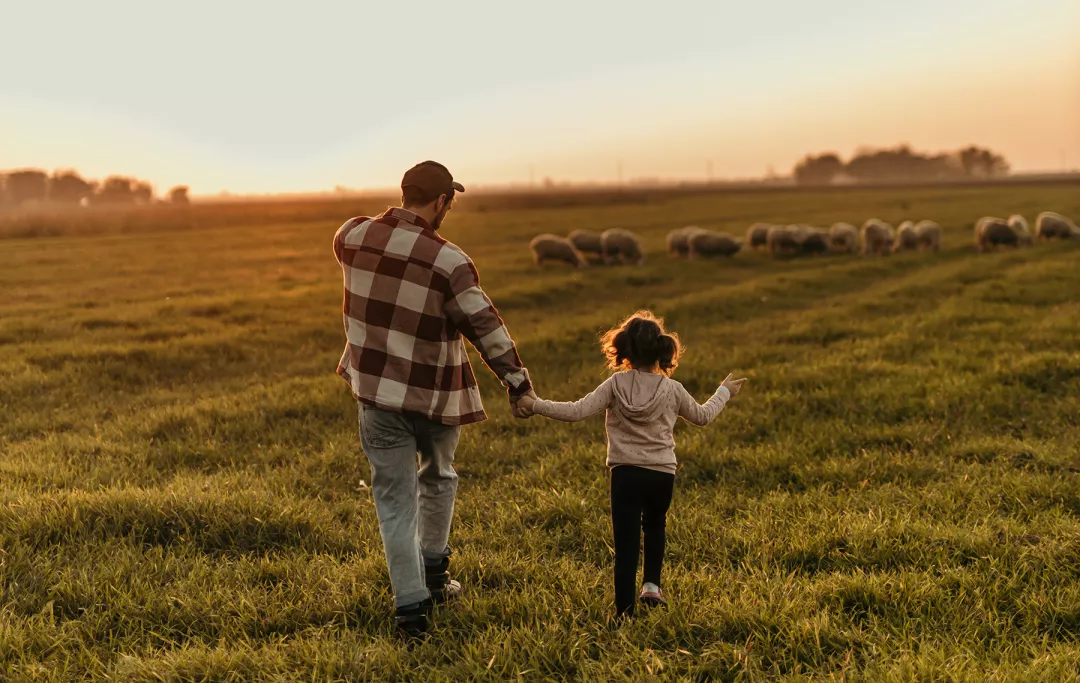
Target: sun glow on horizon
(733,93)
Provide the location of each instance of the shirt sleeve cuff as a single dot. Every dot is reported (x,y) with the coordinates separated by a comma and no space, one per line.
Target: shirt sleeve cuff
(724,393)
(521,389)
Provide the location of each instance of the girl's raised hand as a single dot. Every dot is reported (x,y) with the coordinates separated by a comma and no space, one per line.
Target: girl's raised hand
(733,385)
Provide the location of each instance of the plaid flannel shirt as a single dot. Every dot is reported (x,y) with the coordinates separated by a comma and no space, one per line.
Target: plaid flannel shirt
(410,295)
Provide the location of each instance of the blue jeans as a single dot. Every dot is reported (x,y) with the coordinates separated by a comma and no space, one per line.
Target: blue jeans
(415,505)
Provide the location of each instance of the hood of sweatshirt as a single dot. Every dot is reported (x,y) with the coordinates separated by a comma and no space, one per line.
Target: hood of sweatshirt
(640,396)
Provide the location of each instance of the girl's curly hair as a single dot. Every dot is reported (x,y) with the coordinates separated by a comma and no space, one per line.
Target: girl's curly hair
(641,342)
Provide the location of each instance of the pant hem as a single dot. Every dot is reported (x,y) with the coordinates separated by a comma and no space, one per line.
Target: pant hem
(411,598)
(433,556)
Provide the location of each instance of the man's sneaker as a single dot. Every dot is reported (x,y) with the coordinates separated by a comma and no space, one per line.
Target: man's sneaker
(412,620)
(652,597)
(439,583)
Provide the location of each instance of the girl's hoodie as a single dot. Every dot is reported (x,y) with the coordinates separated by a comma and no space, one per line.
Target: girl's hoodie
(641,411)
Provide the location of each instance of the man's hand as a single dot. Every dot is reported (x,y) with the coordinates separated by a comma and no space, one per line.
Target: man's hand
(522,405)
(525,405)
(733,385)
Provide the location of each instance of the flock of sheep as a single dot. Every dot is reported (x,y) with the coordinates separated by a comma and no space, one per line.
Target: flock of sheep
(875,237)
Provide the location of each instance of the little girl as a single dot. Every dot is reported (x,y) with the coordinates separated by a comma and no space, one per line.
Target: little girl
(642,404)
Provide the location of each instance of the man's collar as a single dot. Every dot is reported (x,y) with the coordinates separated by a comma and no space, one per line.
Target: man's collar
(408,217)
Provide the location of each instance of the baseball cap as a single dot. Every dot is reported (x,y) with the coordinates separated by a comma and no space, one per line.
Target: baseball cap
(432,178)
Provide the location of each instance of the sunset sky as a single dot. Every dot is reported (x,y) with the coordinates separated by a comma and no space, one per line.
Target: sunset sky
(271,96)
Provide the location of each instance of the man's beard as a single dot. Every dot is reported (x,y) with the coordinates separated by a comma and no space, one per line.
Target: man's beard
(437,222)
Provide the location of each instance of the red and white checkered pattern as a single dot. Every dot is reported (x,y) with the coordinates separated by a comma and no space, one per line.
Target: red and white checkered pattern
(410,296)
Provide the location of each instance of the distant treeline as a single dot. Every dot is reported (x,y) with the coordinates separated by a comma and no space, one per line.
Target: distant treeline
(31,187)
(900,164)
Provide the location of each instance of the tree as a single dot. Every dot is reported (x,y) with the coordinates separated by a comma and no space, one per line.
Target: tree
(819,170)
(976,161)
(26,185)
(68,187)
(994,164)
(116,190)
(142,192)
(902,163)
(179,196)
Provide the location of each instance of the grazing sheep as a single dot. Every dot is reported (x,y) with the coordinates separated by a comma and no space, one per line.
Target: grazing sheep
(907,238)
(587,242)
(877,237)
(678,240)
(621,246)
(813,240)
(709,243)
(844,238)
(929,234)
(991,232)
(550,247)
(757,235)
(1050,225)
(1019,224)
(784,240)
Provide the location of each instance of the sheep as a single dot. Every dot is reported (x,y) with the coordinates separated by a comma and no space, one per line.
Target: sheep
(709,243)
(621,246)
(1050,225)
(877,237)
(757,235)
(784,239)
(550,247)
(813,240)
(844,238)
(677,240)
(587,242)
(929,235)
(991,232)
(1019,223)
(907,238)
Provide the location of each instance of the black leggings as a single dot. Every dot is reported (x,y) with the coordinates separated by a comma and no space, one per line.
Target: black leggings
(639,501)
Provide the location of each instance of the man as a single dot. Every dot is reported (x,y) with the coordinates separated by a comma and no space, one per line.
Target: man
(410,296)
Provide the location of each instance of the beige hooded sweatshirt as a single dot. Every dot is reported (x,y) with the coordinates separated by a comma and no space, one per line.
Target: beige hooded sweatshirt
(642,408)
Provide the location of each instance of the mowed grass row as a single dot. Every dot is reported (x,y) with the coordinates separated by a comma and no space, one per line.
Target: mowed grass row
(894,496)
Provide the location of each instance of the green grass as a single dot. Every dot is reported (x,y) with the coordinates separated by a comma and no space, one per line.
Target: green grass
(894,496)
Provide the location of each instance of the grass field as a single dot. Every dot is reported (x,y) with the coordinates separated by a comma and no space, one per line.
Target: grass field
(894,496)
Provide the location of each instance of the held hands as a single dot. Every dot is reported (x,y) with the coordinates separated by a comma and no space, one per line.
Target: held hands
(522,405)
(733,385)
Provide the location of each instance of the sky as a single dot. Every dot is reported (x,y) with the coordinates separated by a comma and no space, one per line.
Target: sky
(259,97)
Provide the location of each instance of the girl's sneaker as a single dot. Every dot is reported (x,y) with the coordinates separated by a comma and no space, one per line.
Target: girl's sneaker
(652,596)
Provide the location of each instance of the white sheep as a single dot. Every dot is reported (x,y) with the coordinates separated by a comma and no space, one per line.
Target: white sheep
(906,238)
(550,247)
(844,238)
(929,235)
(813,240)
(621,246)
(784,240)
(709,243)
(587,242)
(1019,223)
(757,235)
(877,237)
(992,232)
(1050,225)
(678,240)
